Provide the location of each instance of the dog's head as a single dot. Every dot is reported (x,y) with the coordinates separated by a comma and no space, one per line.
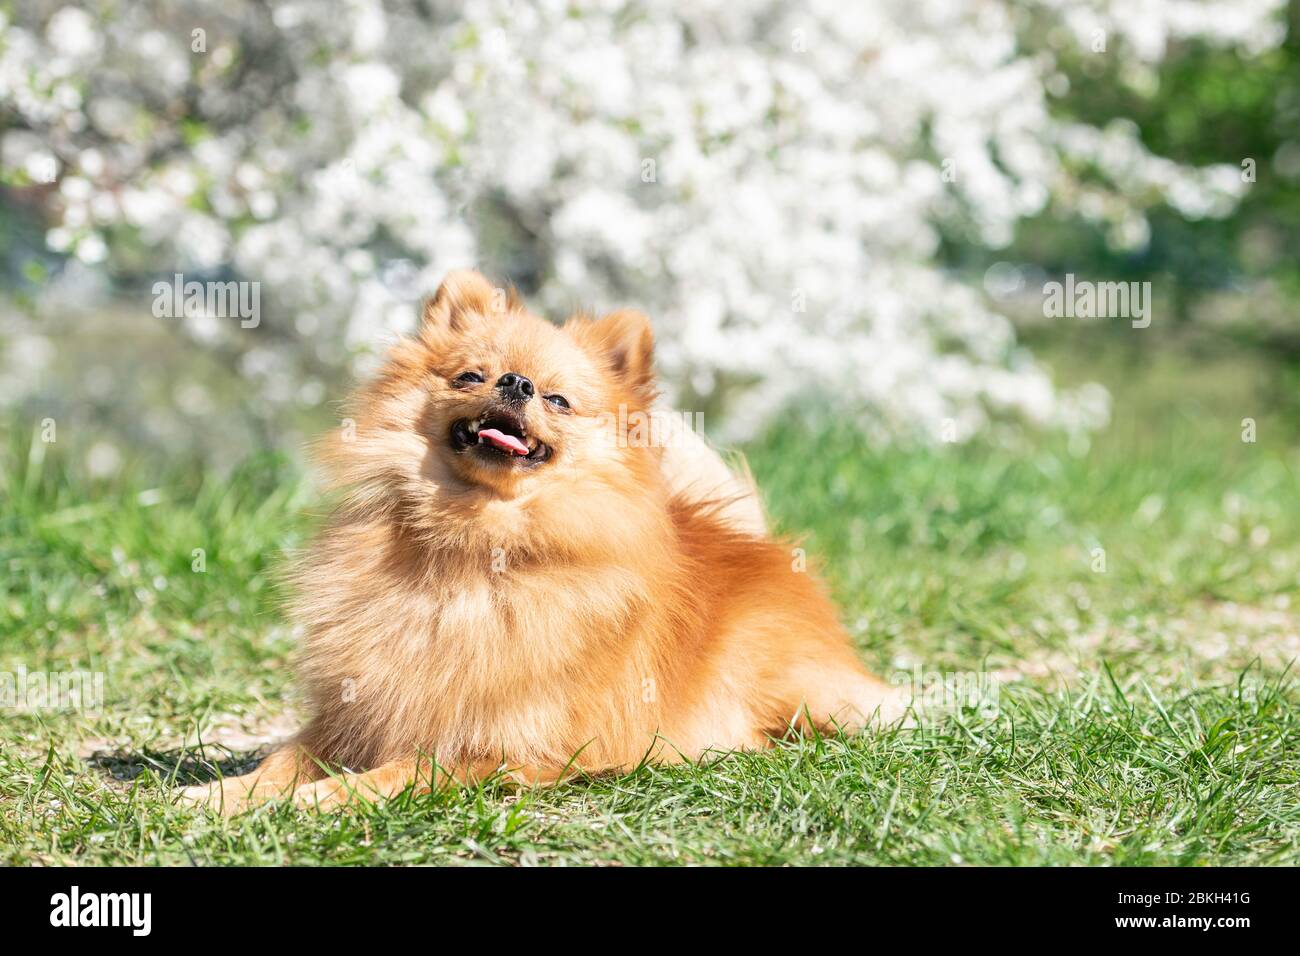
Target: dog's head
(492,423)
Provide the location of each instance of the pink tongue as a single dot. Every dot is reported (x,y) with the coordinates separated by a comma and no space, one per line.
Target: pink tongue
(502,440)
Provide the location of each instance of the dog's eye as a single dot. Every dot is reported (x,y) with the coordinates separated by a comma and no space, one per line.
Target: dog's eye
(469,378)
(559,401)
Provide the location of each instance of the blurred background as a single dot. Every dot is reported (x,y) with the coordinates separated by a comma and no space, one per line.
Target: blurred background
(821,206)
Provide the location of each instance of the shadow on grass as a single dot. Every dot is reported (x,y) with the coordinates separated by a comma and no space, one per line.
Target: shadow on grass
(182,765)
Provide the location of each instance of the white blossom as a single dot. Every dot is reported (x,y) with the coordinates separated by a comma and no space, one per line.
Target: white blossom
(767,179)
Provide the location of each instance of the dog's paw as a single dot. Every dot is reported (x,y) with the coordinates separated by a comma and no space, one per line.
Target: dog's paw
(898,707)
(209,796)
(334,793)
(224,797)
(320,795)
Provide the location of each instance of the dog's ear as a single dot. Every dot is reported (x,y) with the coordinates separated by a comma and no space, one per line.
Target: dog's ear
(464,297)
(625,341)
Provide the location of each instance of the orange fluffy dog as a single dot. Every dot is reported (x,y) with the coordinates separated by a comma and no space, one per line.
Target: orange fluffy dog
(515,585)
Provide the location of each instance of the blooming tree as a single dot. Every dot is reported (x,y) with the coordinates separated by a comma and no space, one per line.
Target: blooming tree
(769,179)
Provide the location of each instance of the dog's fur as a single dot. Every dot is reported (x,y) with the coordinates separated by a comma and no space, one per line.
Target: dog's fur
(469,613)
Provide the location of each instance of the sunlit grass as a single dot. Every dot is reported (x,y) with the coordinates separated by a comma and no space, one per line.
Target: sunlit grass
(1145,713)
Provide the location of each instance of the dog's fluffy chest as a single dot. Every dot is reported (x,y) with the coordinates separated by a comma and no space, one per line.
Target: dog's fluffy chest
(476,662)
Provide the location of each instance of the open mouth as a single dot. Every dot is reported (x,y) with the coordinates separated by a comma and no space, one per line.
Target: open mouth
(499,435)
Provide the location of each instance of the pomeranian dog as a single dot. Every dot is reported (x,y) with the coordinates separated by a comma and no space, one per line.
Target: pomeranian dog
(515,584)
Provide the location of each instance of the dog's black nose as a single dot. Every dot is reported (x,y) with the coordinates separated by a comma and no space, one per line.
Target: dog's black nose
(515,388)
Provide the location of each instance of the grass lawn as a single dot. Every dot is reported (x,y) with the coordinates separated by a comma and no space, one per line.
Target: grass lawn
(1145,713)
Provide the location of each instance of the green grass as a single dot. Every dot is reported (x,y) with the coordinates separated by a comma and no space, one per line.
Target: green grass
(1145,714)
